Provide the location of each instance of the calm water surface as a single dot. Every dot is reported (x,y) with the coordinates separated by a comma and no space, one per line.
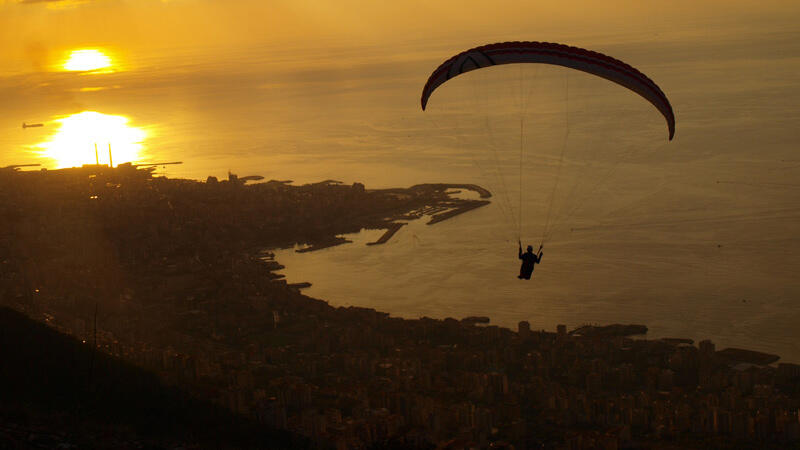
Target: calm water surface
(697,238)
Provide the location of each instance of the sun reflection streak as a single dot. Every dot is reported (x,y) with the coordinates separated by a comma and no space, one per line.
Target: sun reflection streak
(73,144)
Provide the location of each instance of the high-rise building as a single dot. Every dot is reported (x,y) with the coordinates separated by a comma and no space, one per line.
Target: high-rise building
(707,349)
(524,329)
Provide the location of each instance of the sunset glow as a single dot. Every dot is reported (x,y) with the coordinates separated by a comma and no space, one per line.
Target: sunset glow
(323,223)
(87,60)
(74,142)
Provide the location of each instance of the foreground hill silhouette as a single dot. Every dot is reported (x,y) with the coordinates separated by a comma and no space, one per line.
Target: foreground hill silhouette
(54,390)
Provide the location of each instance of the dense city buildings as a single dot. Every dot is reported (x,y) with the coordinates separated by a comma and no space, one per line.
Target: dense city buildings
(175,277)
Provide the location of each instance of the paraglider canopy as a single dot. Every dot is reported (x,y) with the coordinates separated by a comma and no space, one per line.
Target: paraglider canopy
(557,54)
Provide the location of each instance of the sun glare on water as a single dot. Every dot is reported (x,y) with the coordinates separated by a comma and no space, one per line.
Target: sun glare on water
(73,144)
(87,60)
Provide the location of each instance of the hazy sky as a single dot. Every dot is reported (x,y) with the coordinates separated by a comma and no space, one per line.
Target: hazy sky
(246,78)
(35,32)
(313,90)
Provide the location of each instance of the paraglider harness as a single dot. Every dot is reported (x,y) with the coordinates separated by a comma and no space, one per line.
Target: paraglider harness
(529,260)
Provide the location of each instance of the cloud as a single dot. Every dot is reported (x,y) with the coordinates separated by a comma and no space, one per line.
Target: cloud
(55,4)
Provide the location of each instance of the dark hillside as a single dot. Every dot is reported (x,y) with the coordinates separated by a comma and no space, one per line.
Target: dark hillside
(54,391)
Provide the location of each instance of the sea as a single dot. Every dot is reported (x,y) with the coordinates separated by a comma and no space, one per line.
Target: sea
(695,238)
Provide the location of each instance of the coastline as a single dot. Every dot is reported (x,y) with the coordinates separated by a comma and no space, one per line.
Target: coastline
(324,244)
(440,207)
(441,217)
(390,231)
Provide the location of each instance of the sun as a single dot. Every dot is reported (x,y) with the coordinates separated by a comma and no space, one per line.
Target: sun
(73,144)
(87,60)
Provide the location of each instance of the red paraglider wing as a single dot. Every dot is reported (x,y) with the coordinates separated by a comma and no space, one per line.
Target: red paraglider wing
(556,54)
